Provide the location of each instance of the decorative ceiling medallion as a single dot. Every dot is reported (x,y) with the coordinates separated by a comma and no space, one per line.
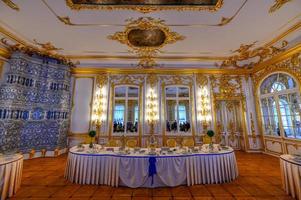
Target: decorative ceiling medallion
(245,53)
(145,37)
(146,6)
(277,5)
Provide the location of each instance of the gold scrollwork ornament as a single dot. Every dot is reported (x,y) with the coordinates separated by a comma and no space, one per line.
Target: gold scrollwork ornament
(146,53)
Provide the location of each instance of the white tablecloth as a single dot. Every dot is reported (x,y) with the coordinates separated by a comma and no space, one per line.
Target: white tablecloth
(10,175)
(133,170)
(291,176)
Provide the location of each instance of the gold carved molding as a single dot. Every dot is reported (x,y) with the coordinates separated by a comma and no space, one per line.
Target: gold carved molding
(68,21)
(45,49)
(246,52)
(277,5)
(145,8)
(152,80)
(148,52)
(228,86)
(11,4)
(291,65)
(201,80)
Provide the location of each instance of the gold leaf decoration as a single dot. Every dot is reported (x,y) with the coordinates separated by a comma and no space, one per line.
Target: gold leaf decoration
(145,8)
(148,50)
(277,5)
(246,51)
(11,4)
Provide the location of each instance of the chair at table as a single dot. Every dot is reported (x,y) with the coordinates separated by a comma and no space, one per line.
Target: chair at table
(113,143)
(131,143)
(206,139)
(188,142)
(171,143)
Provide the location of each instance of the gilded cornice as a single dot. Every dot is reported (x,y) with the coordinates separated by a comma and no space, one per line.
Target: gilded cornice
(91,70)
(144,8)
(46,49)
(246,52)
(277,5)
(4,53)
(278,58)
(11,4)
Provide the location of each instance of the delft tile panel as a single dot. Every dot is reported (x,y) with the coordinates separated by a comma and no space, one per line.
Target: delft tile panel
(34,104)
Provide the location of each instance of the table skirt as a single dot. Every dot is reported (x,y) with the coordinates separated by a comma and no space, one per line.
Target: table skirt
(291,176)
(132,171)
(10,176)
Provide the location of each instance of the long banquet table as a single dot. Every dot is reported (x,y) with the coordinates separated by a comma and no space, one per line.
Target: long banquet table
(10,174)
(144,170)
(291,175)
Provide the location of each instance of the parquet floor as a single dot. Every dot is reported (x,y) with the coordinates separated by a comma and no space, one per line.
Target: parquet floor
(259,178)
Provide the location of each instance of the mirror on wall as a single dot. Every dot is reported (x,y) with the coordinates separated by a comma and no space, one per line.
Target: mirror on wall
(126,109)
(177,109)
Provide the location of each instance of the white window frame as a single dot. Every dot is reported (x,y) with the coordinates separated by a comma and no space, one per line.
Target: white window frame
(275,95)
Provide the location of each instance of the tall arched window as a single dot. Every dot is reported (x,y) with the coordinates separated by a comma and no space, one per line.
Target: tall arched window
(126,109)
(177,109)
(280,106)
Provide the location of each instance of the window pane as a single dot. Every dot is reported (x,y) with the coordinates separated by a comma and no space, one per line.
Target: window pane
(183,113)
(183,92)
(171,118)
(120,91)
(119,112)
(132,116)
(276,83)
(269,116)
(133,92)
(267,84)
(171,92)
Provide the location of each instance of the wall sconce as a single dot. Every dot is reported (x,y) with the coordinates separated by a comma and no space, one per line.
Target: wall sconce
(204,108)
(151,109)
(100,102)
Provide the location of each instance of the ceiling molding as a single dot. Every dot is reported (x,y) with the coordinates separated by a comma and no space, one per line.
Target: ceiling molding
(93,70)
(11,4)
(12,36)
(162,58)
(68,21)
(145,8)
(277,5)
(22,41)
(4,53)
(278,58)
(293,28)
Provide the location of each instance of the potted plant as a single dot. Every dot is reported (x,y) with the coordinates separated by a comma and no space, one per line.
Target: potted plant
(91,134)
(210,134)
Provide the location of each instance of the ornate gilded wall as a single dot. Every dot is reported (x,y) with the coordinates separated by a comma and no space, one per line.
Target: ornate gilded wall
(34,104)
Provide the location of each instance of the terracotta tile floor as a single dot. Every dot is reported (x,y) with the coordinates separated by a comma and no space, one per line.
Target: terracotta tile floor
(259,178)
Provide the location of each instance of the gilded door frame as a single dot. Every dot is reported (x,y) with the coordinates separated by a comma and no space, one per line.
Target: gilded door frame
(242,106)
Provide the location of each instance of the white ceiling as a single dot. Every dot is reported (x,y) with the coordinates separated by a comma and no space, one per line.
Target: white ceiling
(252,23)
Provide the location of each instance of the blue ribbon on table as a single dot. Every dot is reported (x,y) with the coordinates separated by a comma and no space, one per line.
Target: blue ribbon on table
(152,170)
